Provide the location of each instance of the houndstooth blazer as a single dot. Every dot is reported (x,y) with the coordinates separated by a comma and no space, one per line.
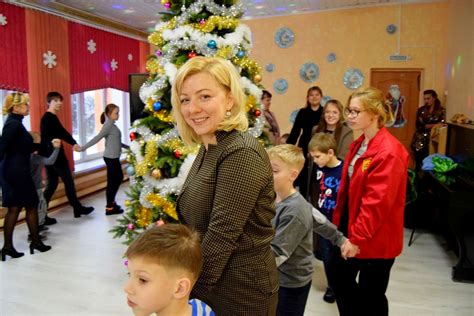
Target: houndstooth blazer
(229,199)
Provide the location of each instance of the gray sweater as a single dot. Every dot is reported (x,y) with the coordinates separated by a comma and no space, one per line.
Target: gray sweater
(292,246)
(37,163)
(113,140)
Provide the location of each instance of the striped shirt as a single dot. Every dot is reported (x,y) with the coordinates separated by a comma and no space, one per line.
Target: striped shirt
(200,308)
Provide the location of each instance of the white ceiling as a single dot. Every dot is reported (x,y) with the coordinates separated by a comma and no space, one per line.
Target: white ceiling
(144,14)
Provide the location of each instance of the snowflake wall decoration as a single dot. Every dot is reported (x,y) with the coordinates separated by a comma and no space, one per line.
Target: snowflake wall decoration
(3,20)
(49,59)
(91,46)
(114,64)
(130,57)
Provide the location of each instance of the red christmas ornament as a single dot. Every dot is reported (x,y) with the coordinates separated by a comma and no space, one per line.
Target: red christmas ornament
(192,54)
(257,112)
(133,136)
(177,154)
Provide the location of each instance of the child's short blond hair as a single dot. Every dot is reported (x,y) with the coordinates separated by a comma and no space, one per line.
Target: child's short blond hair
(322,142)
(290,154)
(171,246)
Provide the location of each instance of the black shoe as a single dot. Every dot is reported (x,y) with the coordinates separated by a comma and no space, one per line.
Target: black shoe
(42,237)
(49,220)
(82,210)
(329,296)
(113,210)
(43,228)
(11,252)
(40,247)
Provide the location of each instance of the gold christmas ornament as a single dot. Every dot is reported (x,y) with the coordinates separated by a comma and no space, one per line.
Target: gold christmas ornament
(257,78)
(156,173)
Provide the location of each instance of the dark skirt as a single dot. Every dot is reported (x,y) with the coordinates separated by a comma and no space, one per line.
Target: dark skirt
(18,188)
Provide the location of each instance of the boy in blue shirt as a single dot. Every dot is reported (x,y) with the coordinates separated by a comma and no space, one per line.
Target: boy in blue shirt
(324,186)
(164,262)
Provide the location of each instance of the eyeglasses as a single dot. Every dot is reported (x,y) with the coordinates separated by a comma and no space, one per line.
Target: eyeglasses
(351,112)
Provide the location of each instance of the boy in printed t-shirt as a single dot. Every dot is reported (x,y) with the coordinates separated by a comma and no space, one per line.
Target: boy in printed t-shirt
(324,186)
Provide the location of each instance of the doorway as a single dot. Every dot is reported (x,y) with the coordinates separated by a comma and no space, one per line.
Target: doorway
(402,88)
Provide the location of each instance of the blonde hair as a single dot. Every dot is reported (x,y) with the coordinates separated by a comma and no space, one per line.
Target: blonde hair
(226,75)
(16,98)
(322,142)
(291,155)
(374,102)
(173,246)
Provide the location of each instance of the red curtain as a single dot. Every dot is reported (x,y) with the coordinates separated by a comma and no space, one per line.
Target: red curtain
(13,60)
(92,53)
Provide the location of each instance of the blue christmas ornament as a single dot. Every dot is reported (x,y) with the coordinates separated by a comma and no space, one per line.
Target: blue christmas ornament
(157,106)
(212,44)
(130,171)
(240,54)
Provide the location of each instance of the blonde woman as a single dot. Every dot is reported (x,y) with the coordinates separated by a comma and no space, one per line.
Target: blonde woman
(369,207)
(18,189)
(228,196)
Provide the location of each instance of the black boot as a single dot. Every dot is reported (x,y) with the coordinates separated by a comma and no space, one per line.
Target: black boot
(49,220)
(113,209)
(82,210)
(11,252)
(39,246)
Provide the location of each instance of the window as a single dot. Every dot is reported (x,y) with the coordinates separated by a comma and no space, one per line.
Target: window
(87,108)
(26,120)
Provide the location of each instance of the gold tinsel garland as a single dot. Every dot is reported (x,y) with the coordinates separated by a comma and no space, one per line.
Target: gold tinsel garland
(251,103)
(151,153)
(248,64)
(144,217)
(156,38)
(154,67)
(168,207)
(219,22)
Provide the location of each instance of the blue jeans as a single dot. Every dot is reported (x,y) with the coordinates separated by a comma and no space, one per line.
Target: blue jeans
(292,301)
(326,248)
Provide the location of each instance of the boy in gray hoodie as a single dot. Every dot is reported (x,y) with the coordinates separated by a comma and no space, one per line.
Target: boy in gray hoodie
(294,223)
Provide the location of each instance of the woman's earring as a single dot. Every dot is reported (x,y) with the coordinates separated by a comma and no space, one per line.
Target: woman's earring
(228,113)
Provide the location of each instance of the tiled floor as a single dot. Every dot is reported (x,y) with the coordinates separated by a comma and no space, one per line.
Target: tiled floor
(84,273)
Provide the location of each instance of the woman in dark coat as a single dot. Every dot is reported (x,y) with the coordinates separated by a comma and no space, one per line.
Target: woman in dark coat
(16,146)
(228,196)
(306,119)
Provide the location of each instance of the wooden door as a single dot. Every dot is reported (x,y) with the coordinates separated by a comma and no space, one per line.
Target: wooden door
(407,82)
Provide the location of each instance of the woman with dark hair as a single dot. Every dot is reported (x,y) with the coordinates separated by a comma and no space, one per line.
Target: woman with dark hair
(427,116)
(18,188)
(273,129)
(306,119)
(113,146)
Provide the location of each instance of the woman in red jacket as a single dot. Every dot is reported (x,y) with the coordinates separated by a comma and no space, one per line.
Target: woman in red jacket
(369,207)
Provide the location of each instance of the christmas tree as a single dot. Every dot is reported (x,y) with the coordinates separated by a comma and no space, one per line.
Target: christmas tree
(158,158)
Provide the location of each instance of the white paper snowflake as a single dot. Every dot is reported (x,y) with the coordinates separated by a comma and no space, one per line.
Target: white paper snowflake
(3,20)
(130,57)
(49,59)
(91,46)
(114,64)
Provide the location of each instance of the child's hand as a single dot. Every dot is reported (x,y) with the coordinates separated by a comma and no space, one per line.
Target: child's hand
(77,148)
(56,143)
(349,250)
